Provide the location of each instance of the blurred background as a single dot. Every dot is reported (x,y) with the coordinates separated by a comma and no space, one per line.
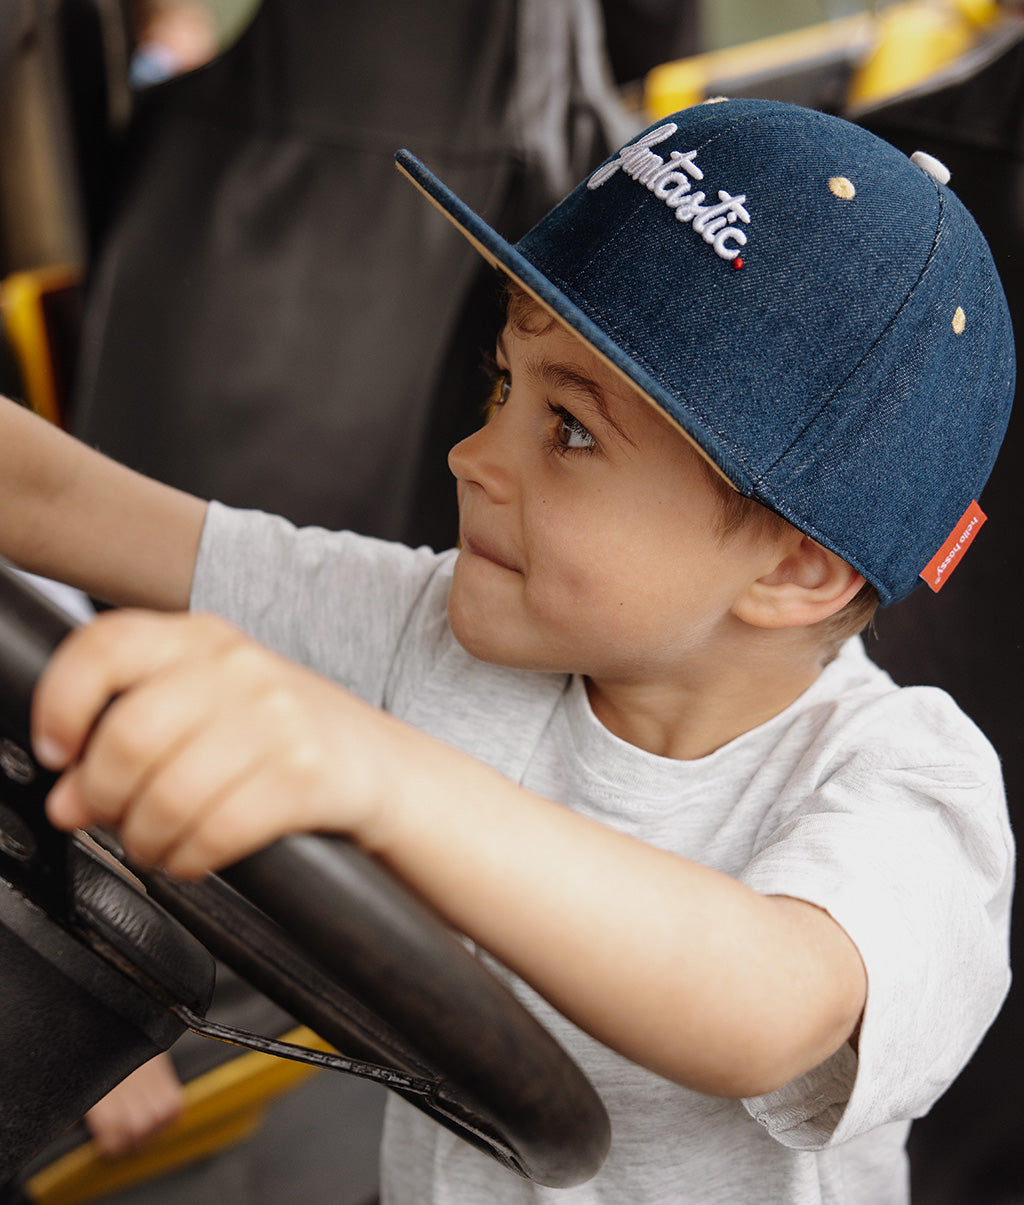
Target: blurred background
(210,269)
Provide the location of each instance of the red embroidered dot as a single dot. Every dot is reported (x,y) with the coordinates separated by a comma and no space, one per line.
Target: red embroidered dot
(737,263)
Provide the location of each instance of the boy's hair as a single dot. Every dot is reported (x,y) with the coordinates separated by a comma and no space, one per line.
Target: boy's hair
(816,310)
(524,314)
(736,514)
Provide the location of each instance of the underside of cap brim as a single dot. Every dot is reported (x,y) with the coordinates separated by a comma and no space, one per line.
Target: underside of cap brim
(500,253)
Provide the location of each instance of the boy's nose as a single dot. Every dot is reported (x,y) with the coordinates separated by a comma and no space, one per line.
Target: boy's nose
(478,459)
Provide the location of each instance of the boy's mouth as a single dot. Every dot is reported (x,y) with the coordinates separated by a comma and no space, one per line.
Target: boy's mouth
(478,548)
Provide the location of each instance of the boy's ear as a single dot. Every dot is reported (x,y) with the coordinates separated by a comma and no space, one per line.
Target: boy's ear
(808,584)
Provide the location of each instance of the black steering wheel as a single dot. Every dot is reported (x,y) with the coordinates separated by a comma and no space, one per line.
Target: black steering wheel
(334,939)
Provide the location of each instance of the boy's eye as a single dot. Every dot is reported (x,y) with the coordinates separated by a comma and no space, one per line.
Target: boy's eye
(572,433)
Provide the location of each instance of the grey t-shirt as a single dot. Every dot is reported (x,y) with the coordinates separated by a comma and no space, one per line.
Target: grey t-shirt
(882,805)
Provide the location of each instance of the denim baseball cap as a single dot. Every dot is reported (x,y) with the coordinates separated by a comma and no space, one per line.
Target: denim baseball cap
(816,311)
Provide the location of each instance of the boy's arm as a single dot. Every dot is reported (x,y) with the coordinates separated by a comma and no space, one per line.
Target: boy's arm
(69,513)
(146,1102)
(676,966)
(215,747)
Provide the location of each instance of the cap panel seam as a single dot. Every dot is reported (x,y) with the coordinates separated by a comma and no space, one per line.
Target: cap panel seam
(841,385)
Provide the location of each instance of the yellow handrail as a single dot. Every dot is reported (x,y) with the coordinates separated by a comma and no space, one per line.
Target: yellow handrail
(22,298)
(887,51)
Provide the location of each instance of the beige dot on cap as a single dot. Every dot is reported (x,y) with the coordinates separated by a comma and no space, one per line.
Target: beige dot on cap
(839,186)
(959,321)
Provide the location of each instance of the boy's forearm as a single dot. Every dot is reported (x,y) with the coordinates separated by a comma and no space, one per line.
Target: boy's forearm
(69,513)
(676,966)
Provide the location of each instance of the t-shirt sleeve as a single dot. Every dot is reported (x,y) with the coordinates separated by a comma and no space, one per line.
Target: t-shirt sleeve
(907,845)
(338,602)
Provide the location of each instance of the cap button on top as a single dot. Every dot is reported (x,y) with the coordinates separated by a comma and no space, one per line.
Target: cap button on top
(934,167)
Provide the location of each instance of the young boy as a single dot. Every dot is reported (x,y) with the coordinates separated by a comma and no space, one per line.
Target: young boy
(755,371)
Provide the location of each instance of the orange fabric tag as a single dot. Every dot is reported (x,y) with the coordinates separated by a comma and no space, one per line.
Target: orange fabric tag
(940,568)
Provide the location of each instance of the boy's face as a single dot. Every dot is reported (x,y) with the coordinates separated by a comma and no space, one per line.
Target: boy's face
(588,537)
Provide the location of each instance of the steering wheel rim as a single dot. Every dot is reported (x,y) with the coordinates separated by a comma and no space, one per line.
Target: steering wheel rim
(332,936)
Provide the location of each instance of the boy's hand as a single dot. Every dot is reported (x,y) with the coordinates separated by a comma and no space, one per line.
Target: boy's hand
(143,1104)
(199,745)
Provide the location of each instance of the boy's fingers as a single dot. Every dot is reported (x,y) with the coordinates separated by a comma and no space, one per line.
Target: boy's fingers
(254,773)
(65,805)
(244,820)
(166,720)
(198,745)
(194,782)
(97,662)
(146,736)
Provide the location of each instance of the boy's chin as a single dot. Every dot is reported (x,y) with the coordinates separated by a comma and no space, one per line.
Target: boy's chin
(486,642)
(485,647)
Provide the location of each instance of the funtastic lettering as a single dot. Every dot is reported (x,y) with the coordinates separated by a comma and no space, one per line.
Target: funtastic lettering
(671,181)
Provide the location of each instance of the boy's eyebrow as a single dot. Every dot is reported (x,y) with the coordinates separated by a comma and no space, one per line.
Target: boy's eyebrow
(567,376)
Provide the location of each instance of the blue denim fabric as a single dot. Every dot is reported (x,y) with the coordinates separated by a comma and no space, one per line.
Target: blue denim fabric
(824,376)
